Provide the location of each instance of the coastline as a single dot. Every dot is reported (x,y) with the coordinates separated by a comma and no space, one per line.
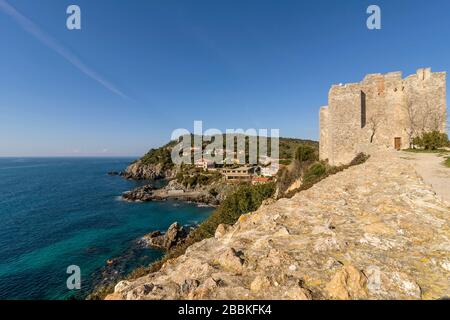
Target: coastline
(117,268)
(74,217)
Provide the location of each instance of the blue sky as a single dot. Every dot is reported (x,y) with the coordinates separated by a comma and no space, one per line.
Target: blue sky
(160,65)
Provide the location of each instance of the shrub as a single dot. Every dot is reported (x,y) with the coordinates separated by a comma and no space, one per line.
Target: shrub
(245,199)
(315,172)
(359,159)
(431,140)
(160,156)
(447,162)
(305,153)
(213,192)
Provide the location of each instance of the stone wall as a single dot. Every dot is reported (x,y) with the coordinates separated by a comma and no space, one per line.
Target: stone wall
(379,109)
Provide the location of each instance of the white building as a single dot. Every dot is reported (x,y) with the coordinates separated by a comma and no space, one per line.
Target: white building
(269,171)
(205,164)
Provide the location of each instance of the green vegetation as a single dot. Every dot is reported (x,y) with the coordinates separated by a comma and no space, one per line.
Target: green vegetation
(306,153)
(443,151)
(247,198)
(193,178)
(314,173)
(287,149)
(305,156)
(161,156)
(432,140)
(285,162)
(319,171)
(289,146)
(447,162)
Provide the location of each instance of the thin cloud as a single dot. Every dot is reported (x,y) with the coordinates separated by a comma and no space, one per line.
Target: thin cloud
(30,27)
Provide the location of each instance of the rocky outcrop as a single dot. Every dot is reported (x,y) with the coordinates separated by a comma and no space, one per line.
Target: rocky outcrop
(176,191)
(174,235)
(148,193)
(373,231)
(144,193)
(140,171)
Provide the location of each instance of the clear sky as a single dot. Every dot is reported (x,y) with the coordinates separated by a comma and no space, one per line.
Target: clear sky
(140,69)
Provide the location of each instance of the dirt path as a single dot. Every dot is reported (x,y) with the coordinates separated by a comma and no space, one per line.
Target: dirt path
(429,166)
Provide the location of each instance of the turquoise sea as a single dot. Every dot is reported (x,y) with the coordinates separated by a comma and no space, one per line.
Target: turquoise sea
(57,212)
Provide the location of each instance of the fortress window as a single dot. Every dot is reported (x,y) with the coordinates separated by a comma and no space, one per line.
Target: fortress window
(363,109)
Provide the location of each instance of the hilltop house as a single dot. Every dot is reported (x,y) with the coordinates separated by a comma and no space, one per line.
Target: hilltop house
(204,164)
(269,171)
(242,174)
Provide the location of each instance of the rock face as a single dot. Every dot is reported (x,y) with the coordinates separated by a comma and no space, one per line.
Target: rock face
(140,171)
(166,241)
(373,231)
(144,193)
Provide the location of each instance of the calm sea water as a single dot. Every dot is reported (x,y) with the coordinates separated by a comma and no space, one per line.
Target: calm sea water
(60,212)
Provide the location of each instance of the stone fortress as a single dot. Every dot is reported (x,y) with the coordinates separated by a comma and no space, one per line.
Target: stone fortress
(384,110)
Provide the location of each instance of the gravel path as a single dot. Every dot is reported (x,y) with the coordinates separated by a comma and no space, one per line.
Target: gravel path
(430,167)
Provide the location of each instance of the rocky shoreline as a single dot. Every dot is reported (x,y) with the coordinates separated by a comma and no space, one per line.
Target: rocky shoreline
(118,267)
(210,195)
(174,235)
(148,193)
(140,171)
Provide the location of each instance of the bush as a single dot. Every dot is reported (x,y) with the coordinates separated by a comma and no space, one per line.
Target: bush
(246,199)
(305,153)
(160,156)
(315,172)
(447,162)
(431,140)
(359,159)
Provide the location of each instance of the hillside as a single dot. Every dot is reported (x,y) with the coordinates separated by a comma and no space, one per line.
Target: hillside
(373,231)
(157,163)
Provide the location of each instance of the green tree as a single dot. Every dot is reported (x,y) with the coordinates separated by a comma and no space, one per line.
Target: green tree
(431,140)
(305,153)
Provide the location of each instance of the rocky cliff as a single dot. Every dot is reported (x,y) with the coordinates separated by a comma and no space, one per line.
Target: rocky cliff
(374,231)
(142,171)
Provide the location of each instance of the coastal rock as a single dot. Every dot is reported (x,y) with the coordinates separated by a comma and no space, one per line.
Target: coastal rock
(372,231)
(173,191)
(144,193)
(121,286)
(174,235)
(140,171)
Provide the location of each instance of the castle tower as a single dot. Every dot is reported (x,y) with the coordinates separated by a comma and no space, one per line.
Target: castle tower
(383,110)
